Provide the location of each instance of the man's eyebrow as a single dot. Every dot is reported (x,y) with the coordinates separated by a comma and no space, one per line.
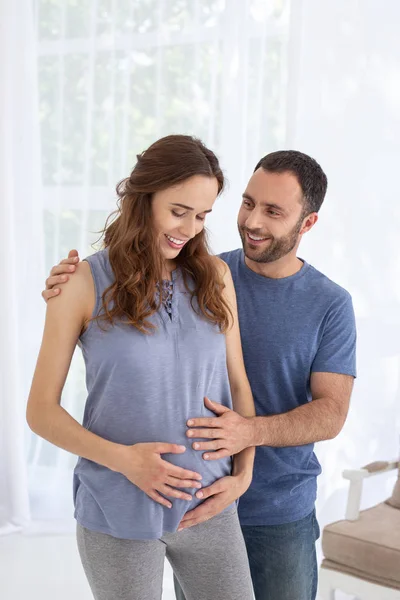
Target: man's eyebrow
(189,207)
(266,204)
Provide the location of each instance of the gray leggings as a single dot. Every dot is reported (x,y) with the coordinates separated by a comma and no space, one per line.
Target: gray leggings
(209,560)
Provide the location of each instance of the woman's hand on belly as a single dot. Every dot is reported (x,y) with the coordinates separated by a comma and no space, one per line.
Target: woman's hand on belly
(143,465)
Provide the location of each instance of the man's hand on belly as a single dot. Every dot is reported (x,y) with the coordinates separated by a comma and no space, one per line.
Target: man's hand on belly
(217,497)
(228,433)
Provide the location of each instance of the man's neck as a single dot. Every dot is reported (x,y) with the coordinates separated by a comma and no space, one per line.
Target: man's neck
(278,269)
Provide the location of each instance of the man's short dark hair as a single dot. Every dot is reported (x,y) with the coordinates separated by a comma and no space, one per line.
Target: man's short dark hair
(310,176)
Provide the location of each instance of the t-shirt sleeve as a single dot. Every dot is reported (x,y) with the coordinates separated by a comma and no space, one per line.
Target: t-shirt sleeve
(337,349)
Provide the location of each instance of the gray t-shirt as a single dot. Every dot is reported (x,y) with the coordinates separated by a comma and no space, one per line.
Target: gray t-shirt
(143,388)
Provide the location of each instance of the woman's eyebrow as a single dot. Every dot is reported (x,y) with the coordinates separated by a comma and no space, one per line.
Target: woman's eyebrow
(189,207)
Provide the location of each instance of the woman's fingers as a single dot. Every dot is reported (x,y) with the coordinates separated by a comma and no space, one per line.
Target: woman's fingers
(181,473)
(183,483)
(171,492)
(154,495)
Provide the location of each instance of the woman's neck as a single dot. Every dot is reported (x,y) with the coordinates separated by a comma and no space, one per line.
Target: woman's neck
(169,266)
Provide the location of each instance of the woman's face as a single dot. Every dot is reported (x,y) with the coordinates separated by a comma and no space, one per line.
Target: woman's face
(179,212)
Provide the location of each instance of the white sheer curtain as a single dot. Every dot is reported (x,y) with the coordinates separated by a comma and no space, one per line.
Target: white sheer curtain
(248,77)
(114,76)
(21,255)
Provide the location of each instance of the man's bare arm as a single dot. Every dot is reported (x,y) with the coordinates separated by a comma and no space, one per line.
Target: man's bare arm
(320,419)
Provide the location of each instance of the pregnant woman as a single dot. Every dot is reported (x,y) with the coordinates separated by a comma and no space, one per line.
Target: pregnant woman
(155,316)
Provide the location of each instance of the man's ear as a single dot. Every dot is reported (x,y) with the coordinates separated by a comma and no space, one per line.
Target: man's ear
(309,222)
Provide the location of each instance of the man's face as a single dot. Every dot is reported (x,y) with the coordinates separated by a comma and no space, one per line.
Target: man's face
(271,216)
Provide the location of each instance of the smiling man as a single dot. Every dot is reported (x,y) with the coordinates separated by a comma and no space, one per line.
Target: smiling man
(298,337)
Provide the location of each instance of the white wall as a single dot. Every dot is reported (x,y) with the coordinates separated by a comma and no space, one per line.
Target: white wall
(344,111)
(347,117)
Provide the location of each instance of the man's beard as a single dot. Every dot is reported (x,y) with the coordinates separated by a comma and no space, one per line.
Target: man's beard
(277,247)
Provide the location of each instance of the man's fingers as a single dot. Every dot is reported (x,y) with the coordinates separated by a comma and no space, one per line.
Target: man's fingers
(191,523)
(69,261)
(73,253)
(183,483)
(59,274)
(47,294)
(62,268)
(191,514)
(197,514)
(205,433)
(154,495)
(201,513)
(55,280)
(217,455)
(204,422)
(171,492)
(214,445)
(219,409)
(215,488)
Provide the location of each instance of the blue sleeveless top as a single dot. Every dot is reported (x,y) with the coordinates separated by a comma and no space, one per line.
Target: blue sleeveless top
(143,388)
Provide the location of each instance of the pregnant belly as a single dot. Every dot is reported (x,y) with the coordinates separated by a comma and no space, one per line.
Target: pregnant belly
(193,460)
(210,471)
(173,432)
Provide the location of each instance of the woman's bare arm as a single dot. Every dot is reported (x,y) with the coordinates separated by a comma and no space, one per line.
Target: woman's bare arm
(142,463)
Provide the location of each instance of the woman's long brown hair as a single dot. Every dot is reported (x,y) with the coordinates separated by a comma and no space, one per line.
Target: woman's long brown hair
(133,245)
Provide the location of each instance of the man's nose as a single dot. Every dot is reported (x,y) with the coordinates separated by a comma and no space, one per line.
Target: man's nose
(254,220)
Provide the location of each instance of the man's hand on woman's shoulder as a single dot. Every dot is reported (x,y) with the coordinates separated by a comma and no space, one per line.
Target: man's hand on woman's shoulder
(60,274)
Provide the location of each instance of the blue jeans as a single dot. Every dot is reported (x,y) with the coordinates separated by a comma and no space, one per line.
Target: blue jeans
(283,560)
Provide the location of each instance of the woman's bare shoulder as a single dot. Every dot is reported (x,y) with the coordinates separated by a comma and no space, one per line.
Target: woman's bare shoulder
(77,293)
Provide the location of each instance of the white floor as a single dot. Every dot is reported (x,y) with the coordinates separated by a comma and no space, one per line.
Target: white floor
(49,568)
